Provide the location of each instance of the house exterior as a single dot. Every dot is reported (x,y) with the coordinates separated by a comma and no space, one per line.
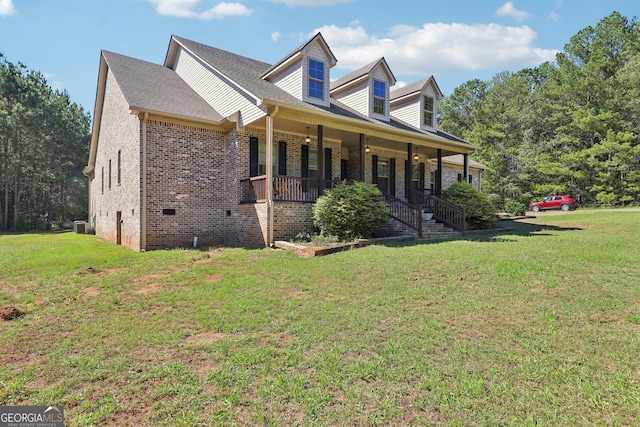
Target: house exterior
(453,168)
(234,151)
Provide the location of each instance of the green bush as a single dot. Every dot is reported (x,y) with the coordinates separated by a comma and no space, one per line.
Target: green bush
(515,207)
(351,211)
(479,211)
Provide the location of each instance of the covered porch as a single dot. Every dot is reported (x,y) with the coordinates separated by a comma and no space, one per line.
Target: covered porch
(305,154)
(323,150)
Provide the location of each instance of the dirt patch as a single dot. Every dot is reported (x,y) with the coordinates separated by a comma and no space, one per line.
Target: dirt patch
(8,312)
(213,278)
(149,278)
(295,293)
(88,270)
(151,289)
(603,318)
(199,364)
(90,292)
(204,338)
(211,255)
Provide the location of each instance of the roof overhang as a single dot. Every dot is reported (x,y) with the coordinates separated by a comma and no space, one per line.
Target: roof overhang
(97,116)
(333,121)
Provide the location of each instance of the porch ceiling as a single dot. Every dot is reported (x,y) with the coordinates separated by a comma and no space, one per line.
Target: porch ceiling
(350,137)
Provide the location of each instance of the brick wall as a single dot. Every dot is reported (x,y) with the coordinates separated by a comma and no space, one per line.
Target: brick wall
(450,176)
(119,131)
(186,194)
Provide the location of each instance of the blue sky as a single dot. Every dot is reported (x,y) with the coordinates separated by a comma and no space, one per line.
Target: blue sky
(453,40)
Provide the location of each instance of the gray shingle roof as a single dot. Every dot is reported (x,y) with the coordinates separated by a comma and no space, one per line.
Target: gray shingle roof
(301,47)
(413,87)
(363,71)
(247,73)
(408,89)
(244,71)
(150,86)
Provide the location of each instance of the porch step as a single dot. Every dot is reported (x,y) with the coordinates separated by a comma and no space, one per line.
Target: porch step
(431,229)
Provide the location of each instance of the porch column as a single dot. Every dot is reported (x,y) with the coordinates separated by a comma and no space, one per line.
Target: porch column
(439,174)
(465,167)
(408,173)
(269,177)
(362,155)
(320,177)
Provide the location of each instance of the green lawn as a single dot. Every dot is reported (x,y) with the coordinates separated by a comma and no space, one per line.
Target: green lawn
(534,327)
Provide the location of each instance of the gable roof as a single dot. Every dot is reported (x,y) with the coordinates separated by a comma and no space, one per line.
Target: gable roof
(362,72)
(152,87)
(412,88)
(245,73)
(318,37)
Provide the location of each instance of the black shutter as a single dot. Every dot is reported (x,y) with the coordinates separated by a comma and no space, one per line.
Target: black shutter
(374,169)
(408,176)
(328,165)
(282,158)
(305,161)
(392,176)
(421,178)
(253,156)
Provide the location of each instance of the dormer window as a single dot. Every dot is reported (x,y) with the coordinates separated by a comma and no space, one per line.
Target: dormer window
(316,79)
(427,112)
(379,97)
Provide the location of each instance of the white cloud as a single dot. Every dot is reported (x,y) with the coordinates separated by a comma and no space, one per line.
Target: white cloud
(437,48)
(508,9)
(553,17)
(6,8)
(310,3)
(188,9)
(53,84)
(276,36)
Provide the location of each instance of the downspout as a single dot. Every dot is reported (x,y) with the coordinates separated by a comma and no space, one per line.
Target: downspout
(269,173)
(143,210)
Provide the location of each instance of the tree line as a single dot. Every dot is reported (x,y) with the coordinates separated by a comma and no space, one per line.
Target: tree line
(572,126)
(44,142)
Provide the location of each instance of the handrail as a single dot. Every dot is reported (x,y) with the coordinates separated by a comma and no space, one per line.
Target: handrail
(447,213)
(296,189)
(285,188)
(404,212)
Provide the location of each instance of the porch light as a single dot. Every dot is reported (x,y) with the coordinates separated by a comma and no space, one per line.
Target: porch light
(415,156)
(308,138)
(367,149)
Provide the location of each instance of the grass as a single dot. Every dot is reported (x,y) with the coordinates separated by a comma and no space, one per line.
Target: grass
(536,326)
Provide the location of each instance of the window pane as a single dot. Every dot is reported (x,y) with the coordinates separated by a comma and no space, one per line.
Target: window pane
(415,173)
(428,111)
(383,168)
(313,160)
(379,89)
(262,158)
(378,106)
(428,119)
(316,89)
(316,70)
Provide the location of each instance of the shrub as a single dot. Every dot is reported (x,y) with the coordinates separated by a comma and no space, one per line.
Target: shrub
(515,208)
(479,211)
(350,211)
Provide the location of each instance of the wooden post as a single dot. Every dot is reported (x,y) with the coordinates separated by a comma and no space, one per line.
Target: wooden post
(362,157)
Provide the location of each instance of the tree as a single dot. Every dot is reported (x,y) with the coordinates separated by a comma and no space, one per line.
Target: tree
(570,127)
(44,139)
